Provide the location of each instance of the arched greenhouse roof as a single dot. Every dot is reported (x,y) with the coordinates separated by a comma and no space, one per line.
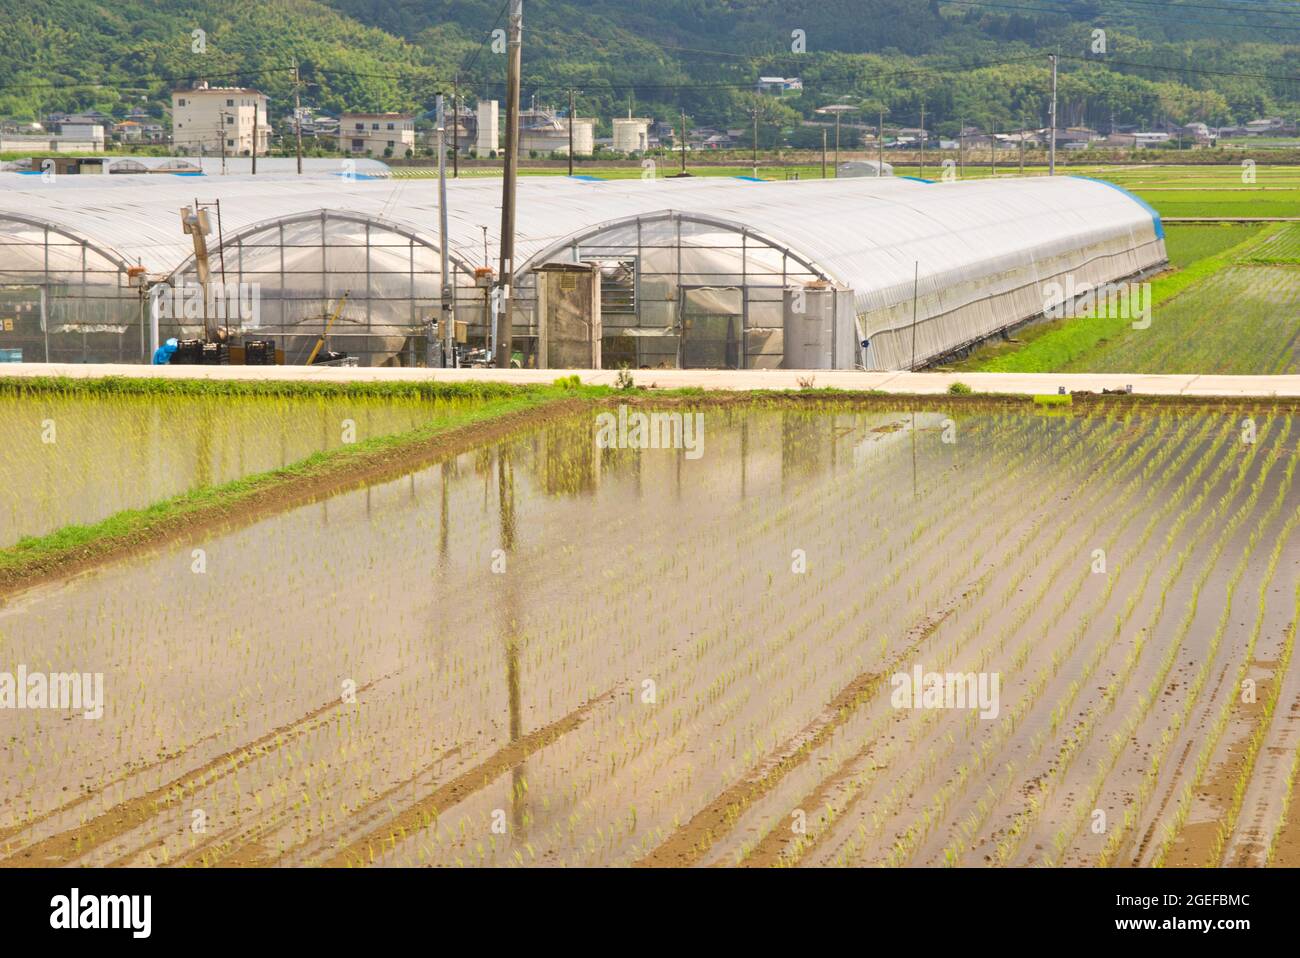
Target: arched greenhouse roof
(980,248)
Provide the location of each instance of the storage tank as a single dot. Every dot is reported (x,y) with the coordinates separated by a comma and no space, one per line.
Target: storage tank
(632,134)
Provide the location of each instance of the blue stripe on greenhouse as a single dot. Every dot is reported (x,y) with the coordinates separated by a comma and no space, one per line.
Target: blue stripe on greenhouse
(915,179)
(1155,217)
(586,178)
(751,179)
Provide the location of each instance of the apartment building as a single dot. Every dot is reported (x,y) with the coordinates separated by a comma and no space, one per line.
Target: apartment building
(208,121)
(377,134)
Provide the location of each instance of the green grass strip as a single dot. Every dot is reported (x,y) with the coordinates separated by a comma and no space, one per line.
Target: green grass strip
(1073,339)
(36,553)
(132,386)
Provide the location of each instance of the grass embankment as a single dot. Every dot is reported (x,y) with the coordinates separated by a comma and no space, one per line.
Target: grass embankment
(72,547)
(1053,346)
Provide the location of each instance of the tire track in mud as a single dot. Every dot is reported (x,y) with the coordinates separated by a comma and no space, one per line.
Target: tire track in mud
(64,847)
(689,843)
(424,812)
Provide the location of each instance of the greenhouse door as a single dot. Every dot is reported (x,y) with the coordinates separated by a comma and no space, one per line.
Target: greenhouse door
(712,318)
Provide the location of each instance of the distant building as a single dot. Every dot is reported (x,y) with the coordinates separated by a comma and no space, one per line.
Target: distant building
(377,134)
(860,168)
(77,139)
(779,85)
(487,137)
(213,120)
(543,132)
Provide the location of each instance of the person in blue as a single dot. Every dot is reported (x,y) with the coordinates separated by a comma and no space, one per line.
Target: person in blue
(163,354)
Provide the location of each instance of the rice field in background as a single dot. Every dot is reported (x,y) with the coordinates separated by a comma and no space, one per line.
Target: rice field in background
(1227,305)
(1242,319)
(547,652)
(1175,191)
(79,459)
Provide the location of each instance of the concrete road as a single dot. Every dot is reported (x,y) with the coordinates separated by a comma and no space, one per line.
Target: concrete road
(891,382)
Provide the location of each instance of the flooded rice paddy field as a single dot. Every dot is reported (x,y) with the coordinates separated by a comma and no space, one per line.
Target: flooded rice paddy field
(77,460)
(545,652)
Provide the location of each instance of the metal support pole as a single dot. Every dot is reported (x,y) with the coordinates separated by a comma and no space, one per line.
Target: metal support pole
(504,319)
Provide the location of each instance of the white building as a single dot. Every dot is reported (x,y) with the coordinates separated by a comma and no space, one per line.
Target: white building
(489,127)
(632,134)
(779,85)
(212,120)
(377,134)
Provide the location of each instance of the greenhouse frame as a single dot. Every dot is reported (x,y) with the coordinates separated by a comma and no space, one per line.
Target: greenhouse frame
(877,273)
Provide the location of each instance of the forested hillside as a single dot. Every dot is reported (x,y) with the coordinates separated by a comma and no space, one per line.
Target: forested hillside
(1219,61)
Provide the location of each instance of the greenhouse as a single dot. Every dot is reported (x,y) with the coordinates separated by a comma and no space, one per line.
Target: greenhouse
(881,273)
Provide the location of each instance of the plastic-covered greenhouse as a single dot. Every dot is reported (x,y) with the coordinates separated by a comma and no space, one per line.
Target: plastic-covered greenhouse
(700,273)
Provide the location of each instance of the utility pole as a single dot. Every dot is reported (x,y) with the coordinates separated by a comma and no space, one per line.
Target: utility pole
(961,149)
(255,112)
(297,113)
(515,34)
(683,142)
(455,127)
(823,153)
(880,145)
(993,148)
(922,141)
(755,111)
(222,117)
(1051,153)
(571,121)
(447,319)
(1023,134)
(837,144)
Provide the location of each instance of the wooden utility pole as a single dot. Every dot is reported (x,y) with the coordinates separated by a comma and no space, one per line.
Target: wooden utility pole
(455,127)
(823,153)
(254,155)
(1023,134)
(880,144)
(755,142)
(683,141)
(515,35)
(1051,154)
(297,113)
(572,118)
(961,147)
(922,141)
(993,148)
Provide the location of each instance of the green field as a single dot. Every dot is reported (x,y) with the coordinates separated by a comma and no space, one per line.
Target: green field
(1174,191)
(1229,305)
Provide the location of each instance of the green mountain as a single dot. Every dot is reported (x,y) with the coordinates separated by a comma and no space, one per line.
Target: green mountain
(985,62)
